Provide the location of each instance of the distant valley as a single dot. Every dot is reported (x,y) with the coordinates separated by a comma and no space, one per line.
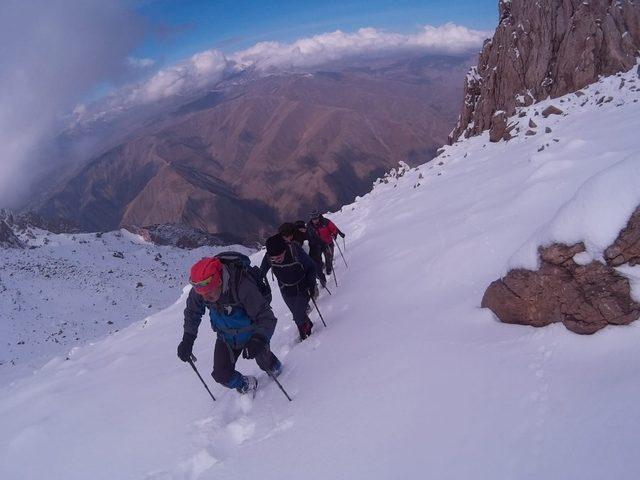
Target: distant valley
(260,149)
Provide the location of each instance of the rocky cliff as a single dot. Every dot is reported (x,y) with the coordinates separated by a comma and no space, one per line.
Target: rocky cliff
(546,48)
(8,239)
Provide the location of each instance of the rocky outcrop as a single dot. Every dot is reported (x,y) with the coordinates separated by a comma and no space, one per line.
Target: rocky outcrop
(626,248)
(499,128)
(22,222)
(585,298)
(547,48)
(8,239)
(177,235)
(551,110)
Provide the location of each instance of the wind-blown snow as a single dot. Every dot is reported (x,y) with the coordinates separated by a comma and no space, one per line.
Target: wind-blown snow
(589,217)
(411,379)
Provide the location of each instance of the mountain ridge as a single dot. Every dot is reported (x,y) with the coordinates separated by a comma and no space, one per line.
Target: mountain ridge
(277,146)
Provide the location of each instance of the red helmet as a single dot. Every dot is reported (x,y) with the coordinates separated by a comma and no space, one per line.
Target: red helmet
(206,275)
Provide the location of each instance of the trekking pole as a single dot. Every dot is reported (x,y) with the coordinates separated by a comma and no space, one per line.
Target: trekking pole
(335,278)
(340,250)
(344,244)
(328,291)
(191,360)
(279,385)
(316,305)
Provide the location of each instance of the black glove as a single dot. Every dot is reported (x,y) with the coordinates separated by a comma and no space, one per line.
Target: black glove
(186,346)
(255,345)
(341,234)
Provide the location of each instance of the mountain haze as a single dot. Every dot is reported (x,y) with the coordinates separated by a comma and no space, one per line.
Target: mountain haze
(262,149)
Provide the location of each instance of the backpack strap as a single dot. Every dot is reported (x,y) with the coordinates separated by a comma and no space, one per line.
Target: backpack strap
(234,279)
(295,261)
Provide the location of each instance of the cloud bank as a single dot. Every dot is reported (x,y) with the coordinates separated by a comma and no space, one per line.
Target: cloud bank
(210,67)
(51,53)
(328,47)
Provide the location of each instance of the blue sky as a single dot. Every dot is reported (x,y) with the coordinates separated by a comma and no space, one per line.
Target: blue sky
(182,28)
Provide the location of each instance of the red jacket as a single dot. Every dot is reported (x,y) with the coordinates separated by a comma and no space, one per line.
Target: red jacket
(327,231)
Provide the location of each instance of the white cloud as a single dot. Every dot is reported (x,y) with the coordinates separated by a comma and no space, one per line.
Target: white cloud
(51,53)
(327,47)
(140,62)
(209,67)
(202,69)
(449,38)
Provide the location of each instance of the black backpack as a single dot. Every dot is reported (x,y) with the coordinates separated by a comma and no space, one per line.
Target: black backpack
(243,263)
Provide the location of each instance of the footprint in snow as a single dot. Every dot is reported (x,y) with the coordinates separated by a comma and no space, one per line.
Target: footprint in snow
(195,465)
(231,410)
(241,430)
(281,426)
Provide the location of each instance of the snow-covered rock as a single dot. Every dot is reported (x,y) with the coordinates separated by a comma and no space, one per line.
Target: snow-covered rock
(177,235)
(584,296)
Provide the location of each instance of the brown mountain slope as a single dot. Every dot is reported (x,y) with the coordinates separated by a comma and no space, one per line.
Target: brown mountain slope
(238,161)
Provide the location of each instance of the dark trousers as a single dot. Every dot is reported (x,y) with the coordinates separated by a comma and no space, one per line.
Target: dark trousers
(328,257)
(315,252)
(224,363)
(298,305)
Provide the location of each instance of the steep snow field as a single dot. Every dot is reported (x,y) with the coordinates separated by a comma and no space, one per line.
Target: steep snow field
(68,290)
(411,379)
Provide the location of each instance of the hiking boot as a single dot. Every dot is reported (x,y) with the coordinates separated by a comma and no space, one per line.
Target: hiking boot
(305,329)
(249,385)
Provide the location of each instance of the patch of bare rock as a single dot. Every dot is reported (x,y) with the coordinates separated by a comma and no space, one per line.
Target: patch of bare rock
(585,298)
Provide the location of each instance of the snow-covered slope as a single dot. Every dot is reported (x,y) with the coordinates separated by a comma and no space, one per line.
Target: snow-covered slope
(67,290)
(411,379)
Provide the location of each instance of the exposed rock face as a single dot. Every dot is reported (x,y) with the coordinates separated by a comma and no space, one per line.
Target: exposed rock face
(626,248)
(547,48)
(8,239)
(499,128)
(23,221)
(585,298)
(177,235)
(551,110)
(239,161)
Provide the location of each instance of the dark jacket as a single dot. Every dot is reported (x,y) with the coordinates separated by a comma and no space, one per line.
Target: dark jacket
(240,312)
(296,274)
(315,242)
(300,237)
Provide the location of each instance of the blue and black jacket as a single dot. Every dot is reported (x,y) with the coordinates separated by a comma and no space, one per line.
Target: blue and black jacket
(240,312)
